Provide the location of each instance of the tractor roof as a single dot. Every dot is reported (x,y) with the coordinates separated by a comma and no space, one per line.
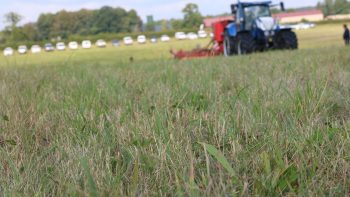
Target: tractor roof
(246,4)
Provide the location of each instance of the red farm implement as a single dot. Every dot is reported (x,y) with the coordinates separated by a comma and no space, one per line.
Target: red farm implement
(214,48)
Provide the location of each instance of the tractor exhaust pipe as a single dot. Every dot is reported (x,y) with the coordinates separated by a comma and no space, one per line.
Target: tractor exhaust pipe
(282,7)
(233,9)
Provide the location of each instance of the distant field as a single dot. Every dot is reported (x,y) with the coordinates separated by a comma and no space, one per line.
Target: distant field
(100,55)
(322,36)
(91,123)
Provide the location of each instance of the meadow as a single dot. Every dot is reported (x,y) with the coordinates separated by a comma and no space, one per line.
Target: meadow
(329,35)
(92,123)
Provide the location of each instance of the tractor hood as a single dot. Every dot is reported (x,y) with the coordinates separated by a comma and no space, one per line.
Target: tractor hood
(266,23)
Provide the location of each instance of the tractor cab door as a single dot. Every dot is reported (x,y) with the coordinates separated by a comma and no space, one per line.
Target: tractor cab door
(249,18)
(238,16)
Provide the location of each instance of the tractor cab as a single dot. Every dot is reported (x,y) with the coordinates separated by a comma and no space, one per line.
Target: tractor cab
(254,29)
(246,14)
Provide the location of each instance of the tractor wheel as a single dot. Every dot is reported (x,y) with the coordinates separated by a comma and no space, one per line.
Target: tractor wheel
(245,44)
(228,45)
(286,40)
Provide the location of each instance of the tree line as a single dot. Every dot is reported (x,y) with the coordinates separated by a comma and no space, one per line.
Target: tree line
(63,24)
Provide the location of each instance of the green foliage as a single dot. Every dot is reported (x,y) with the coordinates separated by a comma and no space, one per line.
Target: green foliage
(12,19)
(219,157)
(192,16)
(84,22)
(30,32)
(277,178)
(5,118)
(90,179)
(192,20)
(44,24)
(333,7)
(304,20)
(115,20)
(177,23)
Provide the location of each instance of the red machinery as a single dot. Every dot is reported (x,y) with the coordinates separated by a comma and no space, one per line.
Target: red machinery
(214,48)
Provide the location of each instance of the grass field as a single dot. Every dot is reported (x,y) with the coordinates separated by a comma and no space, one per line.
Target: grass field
(323,36)
(91,123)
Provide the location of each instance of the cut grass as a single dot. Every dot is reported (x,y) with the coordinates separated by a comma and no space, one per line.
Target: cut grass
(279,119)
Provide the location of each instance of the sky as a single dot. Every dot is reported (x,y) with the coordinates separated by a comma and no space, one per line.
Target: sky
(160,9)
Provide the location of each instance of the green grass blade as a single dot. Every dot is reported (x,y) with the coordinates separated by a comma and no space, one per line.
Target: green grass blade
(219,156)
(91,183)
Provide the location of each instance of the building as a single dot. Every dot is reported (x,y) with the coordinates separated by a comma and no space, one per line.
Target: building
(298,16)
(208,22)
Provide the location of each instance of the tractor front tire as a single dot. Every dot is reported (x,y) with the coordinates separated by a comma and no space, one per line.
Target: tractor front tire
(228,45)
(245,44)
(286,40)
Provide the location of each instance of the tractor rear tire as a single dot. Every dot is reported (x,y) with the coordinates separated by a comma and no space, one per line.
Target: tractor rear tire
(228,45)
(286,40)
(245,44)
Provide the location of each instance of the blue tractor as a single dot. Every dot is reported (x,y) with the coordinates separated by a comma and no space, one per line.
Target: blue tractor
(254,29)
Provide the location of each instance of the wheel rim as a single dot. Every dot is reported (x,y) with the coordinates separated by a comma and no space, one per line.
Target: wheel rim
(239,47)
(227,46)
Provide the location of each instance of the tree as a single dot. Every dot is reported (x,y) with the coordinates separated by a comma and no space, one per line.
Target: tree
(83,22)
(164,24)
(12,18)
(115,20)
(341,7)
(331,7)
(30,31)
(104,20)
(135,22)
(177,23)
(62,24)
(192,16)
(45,25)
(2,38)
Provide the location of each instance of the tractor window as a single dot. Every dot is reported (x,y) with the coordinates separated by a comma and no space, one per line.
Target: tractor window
(253,12)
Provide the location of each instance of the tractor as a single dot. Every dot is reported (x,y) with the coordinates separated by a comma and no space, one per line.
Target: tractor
(254,29)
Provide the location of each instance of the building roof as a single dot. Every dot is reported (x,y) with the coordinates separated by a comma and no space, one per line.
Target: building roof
(298,14)
(208,22)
